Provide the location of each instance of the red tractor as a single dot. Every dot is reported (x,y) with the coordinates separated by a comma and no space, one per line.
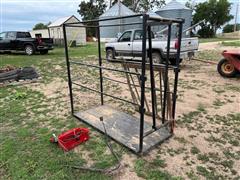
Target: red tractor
(229,66)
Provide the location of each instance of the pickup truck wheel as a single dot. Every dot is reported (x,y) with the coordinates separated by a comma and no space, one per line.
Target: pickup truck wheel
(44,52)
(29,50)
(156,58)
(109,54)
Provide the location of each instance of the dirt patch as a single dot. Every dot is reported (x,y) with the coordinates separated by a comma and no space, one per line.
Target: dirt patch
(51,89)
(127,172)
(197,144)
(7,68)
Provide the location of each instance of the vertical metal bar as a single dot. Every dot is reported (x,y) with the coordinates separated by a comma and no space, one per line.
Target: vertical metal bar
(166,74)
(177,69)
(143,79)
(100,64)
(145,99)
(68,68)
(129,85)
(153,91)
(160,84)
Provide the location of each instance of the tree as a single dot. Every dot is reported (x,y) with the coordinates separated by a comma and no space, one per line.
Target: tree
(128,3)
(190,4)
(146,5)
(230,28)
(91,10)
(141,5)
(215,12)
(41,26)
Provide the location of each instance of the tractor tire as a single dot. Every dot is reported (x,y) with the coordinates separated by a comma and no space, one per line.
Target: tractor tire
(226,69)
(10,75)
(28,73)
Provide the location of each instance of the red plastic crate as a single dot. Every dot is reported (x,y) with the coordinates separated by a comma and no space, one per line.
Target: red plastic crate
(72,138)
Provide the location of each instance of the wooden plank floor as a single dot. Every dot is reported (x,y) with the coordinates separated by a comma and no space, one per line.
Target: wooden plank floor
(122,127)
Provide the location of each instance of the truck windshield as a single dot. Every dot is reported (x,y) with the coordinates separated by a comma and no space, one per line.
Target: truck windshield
(126,37)
(2,35)
(11,35)
(23,35)
(138,35)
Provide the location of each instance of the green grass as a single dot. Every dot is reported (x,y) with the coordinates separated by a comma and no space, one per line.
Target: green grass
(26,152)
(231,43)
(148,170)
(206,40)
(208,174)
(29,117)
(195,150)
(28,120)
(212,55)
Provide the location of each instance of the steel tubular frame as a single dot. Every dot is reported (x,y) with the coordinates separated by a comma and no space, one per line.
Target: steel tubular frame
(147,22)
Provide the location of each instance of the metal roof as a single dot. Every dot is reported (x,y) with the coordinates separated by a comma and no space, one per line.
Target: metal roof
(152,14)
(118,9)
(60,21)
(173,5)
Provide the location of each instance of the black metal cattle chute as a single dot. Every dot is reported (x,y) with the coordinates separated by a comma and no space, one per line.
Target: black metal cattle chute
(142,132)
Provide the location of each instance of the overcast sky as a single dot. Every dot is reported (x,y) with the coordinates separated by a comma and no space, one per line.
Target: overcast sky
(24,14)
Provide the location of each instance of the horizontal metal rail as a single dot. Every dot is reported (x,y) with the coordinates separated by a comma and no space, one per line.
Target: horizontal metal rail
(91,26)
(155,18)
(155,23)
(156,89)
(138,62)
(105,68)
(157,128)
(105,94)
(108,19)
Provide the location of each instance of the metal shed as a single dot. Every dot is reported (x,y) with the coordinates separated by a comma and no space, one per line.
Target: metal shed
(155,28)
(175,9)
(117,10)
(74,34)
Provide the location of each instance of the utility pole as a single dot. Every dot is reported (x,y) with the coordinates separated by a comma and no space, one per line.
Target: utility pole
(119,14)
(235,25)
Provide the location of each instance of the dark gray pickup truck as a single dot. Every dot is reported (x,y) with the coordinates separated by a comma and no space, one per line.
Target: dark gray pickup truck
(22,41)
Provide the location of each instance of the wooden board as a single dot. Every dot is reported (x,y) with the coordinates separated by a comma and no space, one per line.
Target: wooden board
(122,127)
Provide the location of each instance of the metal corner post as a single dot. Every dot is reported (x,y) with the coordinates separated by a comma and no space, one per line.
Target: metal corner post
(100,64)
(143,79)
(177,70)
(68,68)
(153,90)
(166,74)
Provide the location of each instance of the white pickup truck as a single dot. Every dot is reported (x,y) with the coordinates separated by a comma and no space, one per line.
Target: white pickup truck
(129,46)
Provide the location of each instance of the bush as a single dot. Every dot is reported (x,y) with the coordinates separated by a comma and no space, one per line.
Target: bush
(230,28)
(206,32)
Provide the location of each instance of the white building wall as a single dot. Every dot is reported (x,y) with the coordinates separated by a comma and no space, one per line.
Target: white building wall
(43,32)
(77,34)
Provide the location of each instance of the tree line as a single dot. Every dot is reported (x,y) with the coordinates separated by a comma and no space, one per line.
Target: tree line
(216,13)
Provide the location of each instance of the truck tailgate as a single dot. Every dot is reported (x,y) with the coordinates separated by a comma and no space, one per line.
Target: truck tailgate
(47,41)
(189,44)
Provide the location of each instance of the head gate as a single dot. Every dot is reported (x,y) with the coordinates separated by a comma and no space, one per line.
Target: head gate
(151,85)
